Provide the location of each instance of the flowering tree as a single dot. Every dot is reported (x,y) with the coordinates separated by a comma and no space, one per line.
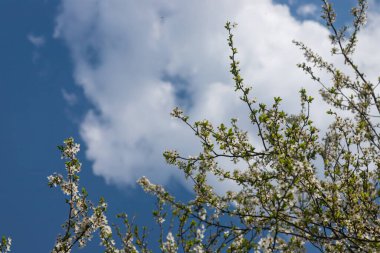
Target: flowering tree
(281,205)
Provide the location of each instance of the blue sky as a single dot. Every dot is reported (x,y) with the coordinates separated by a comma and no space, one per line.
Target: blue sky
(109,72)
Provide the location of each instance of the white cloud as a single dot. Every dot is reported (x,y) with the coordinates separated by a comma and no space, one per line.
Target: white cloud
(308,10)
(70,98)
(37,41)
(136,60)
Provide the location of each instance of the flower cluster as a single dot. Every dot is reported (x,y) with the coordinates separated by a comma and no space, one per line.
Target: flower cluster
(5,244)
(170,246)
(84,217)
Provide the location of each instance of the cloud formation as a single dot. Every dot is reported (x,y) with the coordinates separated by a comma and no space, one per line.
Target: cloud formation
(70,98)
(308,10)
(37,41)
(137,60)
